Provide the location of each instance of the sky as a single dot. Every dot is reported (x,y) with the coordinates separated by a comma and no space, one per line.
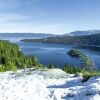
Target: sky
(49,16)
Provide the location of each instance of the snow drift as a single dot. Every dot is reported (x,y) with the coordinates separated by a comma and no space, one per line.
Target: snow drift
(53,84)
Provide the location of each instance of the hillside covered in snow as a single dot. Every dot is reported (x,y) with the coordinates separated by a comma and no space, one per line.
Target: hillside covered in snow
(48,84)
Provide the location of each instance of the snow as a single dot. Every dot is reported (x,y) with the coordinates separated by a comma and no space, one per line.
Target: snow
(48,84)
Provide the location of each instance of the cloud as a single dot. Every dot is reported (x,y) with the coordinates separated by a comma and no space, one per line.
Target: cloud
(11,10)
(17,3)
(10,17)
(26,16)
(9,3)
(49,28)
(32,27)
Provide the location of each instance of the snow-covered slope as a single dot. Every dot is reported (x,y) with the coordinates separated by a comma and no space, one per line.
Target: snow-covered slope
(51,84)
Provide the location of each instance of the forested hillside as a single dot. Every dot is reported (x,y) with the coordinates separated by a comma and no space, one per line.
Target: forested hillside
(11,58)
(77,40)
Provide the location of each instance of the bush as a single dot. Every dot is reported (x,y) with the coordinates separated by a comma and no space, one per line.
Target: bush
(10,67)
(70,69)
(88,74)
(50,66)
(86,63)
(2,68)
(30,61)
(40,66)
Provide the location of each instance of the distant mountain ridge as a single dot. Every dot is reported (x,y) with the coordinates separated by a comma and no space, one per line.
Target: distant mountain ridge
(15,37)
(79,33)
(26,34)
(93,39)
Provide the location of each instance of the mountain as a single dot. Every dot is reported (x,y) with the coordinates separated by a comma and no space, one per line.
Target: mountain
(24,34)
(15,37)
(93,39)
(79,33)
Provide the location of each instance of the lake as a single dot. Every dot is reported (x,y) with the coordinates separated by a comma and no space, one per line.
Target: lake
(56,53)
(53,53)
(48,53)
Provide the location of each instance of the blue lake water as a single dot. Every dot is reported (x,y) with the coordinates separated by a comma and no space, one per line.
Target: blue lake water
(49,53)
(57,53)
(53,53)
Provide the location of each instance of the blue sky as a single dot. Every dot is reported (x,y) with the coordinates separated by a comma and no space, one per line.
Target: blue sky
(49,16)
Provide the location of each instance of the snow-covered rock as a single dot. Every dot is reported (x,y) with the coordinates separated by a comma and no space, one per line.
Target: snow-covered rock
(52,84)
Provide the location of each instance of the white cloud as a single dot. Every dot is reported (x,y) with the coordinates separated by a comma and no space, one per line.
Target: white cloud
(42,28)
(48,28)
(9,17)
(32,27)
(23,13)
